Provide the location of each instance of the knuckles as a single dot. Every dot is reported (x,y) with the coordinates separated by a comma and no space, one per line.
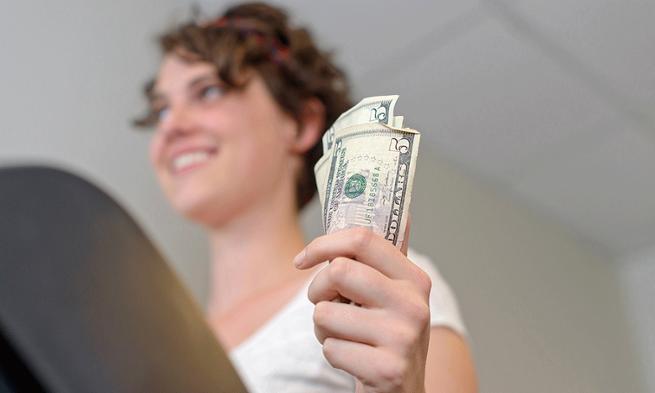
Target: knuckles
(355,240)
(392,374)
(360,238)
(340,268)
(419,312)
(404,338)
(407,333)
(424,282)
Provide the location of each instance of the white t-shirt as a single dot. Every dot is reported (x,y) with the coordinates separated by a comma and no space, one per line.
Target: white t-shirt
(284,356)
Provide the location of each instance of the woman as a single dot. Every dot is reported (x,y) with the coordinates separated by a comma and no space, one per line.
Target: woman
(239,105)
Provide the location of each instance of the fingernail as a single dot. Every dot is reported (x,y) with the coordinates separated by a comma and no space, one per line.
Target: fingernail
(299,259)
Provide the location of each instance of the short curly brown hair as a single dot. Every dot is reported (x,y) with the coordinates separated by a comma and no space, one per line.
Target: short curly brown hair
(257,36)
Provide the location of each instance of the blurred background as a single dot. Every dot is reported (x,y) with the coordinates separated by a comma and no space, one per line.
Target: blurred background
(535,189)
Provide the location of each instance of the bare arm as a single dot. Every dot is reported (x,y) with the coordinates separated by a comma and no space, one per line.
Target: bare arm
(449,366)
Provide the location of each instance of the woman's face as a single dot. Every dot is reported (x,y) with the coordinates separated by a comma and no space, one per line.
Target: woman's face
(216,153)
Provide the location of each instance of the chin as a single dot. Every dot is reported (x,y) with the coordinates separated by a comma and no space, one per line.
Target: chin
(205,210)
(193,207)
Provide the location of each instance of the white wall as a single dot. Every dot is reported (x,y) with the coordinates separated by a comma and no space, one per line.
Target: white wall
(637,273)
(544,313)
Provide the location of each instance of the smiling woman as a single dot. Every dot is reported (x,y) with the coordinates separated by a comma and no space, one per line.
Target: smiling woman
(258,38)
(239,106)
(204,142)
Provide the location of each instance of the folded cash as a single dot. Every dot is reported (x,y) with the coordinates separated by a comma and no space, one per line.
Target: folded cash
(367,170)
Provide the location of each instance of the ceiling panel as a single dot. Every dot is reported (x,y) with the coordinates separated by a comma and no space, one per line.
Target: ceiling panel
(493,103)
(606,191)
(614,40)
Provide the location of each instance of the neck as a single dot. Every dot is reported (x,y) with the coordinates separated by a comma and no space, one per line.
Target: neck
(253,253)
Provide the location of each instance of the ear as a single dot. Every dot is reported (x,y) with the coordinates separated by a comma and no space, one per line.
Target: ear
(311,126)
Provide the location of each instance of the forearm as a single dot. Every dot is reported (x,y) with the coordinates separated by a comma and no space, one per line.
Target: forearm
(449,367)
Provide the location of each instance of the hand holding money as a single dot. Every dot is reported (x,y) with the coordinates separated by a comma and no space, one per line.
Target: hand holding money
(366,174)
(382,336)
(365,181)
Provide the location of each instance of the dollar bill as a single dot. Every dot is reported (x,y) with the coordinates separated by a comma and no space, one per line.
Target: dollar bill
(321,172)
(366,177)
(379,109)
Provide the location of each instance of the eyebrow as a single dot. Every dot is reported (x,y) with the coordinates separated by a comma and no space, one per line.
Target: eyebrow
(154,95)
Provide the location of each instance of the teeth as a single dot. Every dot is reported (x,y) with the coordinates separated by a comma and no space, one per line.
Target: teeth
(188,159)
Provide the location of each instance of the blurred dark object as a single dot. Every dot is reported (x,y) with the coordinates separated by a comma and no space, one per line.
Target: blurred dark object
(87,304)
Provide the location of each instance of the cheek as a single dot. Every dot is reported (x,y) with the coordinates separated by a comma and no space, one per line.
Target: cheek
(260,157)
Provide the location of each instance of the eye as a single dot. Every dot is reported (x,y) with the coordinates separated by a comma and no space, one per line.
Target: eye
(158,114)
(210,92)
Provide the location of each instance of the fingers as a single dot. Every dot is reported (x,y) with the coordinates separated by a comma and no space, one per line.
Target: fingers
(349,322)
(360,244)
(395,305)
(374,327)
(370,365)
(353,280)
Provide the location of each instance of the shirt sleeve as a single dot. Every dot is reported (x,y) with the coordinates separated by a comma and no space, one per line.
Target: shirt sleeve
(444,311)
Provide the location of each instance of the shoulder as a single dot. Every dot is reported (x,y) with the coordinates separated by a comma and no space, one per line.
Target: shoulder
(444,310)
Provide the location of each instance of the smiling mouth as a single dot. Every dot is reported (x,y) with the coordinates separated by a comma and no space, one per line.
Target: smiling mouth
(187,162)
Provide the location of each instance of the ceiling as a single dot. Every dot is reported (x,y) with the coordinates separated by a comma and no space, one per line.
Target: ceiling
(550,102)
